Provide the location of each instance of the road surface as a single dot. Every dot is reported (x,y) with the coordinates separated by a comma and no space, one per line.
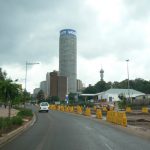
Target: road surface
(63,131)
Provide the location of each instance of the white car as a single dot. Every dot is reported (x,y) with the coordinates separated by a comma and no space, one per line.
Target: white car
(44,106)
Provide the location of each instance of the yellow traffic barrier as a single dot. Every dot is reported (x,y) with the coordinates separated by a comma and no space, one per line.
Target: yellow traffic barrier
(79,110)
(66,109)
(52,107)
(111,108)
(88,112)
(62,108)
(71,109)
(104,109)
(124,121)
(58,107)
(94,108)
(145,110)
(98,114)
(128,109)
(75,109)
(117,118)
(114,117)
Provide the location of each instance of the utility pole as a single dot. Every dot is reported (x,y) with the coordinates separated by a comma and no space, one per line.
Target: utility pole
(128,79)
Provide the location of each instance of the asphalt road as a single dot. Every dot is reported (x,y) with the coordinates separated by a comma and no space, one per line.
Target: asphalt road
(63,131)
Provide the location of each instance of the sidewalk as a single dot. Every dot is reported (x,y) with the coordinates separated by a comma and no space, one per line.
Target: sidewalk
(4,112)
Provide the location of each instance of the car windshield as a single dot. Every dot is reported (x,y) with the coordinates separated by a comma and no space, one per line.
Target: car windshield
(44,104)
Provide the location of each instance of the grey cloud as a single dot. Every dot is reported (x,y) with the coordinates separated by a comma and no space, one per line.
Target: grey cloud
(30,30)
(138,9)
(22,18)
(120,42)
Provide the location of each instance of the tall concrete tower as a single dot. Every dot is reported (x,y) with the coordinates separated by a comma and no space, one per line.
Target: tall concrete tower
(68,57)
(102,74)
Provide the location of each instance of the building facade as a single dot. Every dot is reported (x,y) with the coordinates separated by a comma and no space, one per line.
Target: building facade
(48,83)
(62,87)
(68,57)
(58,85)
(35,92)
(79,85)
(54,83)
(43,87)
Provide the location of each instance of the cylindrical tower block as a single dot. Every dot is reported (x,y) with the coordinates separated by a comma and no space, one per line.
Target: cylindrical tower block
(68,57)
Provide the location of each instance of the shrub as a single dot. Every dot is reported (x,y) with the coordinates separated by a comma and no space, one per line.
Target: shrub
(5,123)
(1,122)
(17,120)
(25,113)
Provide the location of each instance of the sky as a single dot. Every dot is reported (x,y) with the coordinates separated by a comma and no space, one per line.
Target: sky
(108,33)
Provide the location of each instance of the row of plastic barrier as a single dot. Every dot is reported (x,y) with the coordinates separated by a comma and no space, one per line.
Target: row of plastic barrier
(112,116)
(77,109)
(117,118)
(128,109)
(144,110)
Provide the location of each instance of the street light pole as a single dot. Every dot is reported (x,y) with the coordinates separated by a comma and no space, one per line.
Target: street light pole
(26,76)
(128,78)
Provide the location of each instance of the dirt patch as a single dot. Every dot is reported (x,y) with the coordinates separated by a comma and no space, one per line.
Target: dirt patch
(139,119)
(4,112)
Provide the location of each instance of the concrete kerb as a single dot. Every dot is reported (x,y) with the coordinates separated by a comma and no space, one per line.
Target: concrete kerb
(10,136)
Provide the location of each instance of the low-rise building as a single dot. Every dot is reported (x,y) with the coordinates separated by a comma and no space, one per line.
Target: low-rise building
(113,94)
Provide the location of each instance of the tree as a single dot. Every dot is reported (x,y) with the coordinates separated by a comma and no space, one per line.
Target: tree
(90,89)
(2,75)
(55,99)
(122,103)
(25,96)
(72,98)
(8,92)
(40,96)
(102,86)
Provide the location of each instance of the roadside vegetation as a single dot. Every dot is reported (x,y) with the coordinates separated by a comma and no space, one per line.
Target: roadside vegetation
(11,93)
(12,96)
(138,84)
(8,124)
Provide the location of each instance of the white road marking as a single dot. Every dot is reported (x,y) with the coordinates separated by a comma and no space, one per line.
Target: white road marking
(108,146)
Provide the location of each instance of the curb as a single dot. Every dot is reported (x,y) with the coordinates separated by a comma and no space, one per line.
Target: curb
(10,136)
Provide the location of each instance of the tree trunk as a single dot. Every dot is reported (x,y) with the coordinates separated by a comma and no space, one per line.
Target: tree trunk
(9,109)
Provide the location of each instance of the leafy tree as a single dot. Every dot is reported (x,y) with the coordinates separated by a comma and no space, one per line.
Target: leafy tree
(8,92)
(40,96)
(71,96)
(102,86)
(2,75)
(55,99)
(90,89)
(25,97)
(122,103)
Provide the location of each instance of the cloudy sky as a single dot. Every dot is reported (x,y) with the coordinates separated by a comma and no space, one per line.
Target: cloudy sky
(108,33)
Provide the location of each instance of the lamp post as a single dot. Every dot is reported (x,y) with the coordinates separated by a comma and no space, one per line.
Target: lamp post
(128,78)
(28,63)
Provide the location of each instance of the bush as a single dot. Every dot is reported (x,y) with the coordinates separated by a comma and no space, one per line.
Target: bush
(5,123)
(25,113)
(17,120)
